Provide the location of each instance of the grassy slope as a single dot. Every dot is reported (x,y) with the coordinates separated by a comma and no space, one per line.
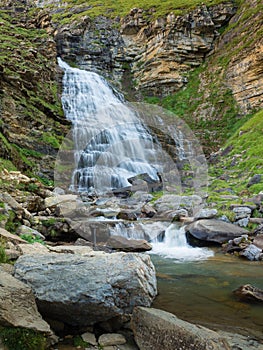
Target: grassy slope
(122,7)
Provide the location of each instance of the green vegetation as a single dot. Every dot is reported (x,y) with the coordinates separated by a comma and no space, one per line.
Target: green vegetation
(121,8)
(32,239)
(79,342)
(22,339)
(230,173)
(3,256)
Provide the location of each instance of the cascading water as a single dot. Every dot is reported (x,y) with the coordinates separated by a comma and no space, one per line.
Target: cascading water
(111,144)
(175,246)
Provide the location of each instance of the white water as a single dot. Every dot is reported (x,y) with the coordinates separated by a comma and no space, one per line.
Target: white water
(111,144)
(175,246)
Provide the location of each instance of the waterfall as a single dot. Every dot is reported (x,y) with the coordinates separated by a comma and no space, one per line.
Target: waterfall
(111,143)
(175,246)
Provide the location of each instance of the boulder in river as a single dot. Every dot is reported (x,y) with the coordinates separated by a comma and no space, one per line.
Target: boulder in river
(214,231)
(249,293)
(83,290)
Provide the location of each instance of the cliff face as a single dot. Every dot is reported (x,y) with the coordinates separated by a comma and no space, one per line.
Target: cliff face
(158,53)
(31,116)
(140,52)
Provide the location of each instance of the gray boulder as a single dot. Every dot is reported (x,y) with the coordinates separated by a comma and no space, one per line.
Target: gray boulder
(18,307)
(252,252)
(216,231)
(172,333)
(83,290)
(128,245)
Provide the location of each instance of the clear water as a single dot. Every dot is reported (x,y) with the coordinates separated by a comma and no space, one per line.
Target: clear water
(201,292)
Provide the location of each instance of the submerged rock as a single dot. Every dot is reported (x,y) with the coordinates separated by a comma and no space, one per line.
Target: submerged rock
(172,333)
(249,293)
(215,231)
(83,290)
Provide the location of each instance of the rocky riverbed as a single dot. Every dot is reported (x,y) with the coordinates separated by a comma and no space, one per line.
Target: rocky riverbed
(78,275)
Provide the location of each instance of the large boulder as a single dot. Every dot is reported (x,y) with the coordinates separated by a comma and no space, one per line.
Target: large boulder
(18,307)
(215,231)
(157,329)
(83,290)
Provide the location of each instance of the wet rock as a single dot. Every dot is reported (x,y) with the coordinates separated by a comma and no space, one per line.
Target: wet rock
(128,245)
(216,231)
(172,333)
(127,215)
(17,305)
(83,290)
(242,222)
(249,293)
(251,252)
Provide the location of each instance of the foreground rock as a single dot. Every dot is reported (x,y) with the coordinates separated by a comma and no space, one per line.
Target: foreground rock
(83,290)
(249,293)
(18,307)
(172,333)
(215,231)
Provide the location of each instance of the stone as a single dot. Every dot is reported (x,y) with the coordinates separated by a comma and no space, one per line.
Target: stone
(254,180)
(127,215)
(34,248)
(242,212)
(11,237)
(111,339)
(249,293)
(89,338)
(128,245)
(58,199)
(205,214)
(174,202)
(12,254)
(84,290)
(242,222)
(215,231)
(25,230)
(258,241)
(71,249)
(251,252)
(172,333)
(17,305)
(148,210)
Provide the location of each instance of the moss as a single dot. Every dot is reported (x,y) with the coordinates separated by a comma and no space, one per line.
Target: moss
(79,342)
(12,222)
(22,339)
(3,257)
(49,222)
(50,139)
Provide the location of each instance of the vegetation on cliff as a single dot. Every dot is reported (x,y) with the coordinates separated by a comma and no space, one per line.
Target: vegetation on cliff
(31,113)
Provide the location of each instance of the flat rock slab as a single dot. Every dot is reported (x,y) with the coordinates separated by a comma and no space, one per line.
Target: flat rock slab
(110,339)
(216,231)
(157,329)
(10,237)
(128,245)
(83,290)
(17,305)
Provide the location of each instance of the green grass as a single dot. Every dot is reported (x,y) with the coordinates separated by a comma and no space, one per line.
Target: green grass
(32,239)
(22,339)
(122,8)
(243,161)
